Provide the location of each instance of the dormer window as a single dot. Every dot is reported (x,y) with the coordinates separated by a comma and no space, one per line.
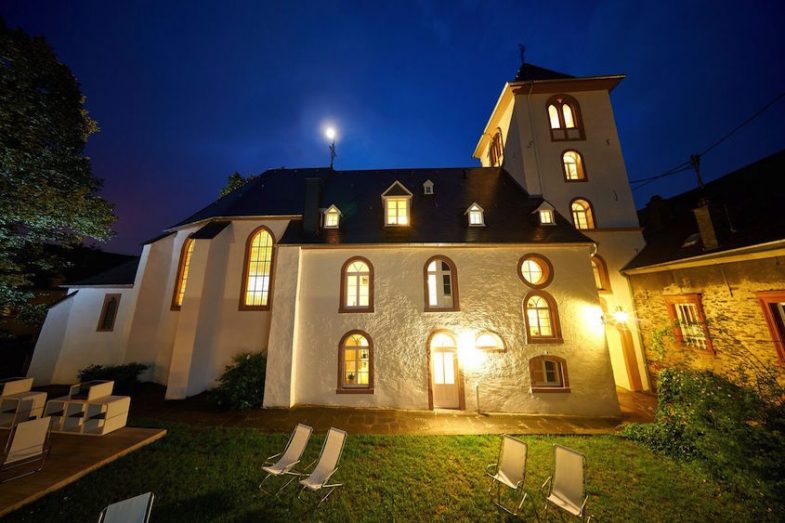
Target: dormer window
(476,215)
(332,217)
(564,118)
(397,205)
(427,187)
(545,214)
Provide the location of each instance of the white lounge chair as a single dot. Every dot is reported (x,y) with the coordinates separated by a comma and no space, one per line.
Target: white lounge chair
(131,510)
(26,449)
(290,457)
(327,465)
(509,471)
(567,486)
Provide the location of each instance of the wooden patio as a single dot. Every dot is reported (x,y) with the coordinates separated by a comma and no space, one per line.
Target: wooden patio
(72,457)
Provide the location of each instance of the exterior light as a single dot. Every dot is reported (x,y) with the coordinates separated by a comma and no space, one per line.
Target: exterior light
(620,315)
(330,133)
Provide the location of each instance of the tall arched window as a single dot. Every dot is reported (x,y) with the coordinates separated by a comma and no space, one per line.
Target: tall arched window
(109,312)
(541,318)
(355,364)
(441,285)
(601,278)
(564,118)
(257,273)
(496,150)
(357,286)
(573,167)
(182,274)
(582,214)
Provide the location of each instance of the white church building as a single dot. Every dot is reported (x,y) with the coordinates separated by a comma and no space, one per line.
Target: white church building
(407,288)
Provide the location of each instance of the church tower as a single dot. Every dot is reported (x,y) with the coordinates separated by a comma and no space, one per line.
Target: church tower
(556,135)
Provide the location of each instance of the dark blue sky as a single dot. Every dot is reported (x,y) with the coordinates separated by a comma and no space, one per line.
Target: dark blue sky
(188,92)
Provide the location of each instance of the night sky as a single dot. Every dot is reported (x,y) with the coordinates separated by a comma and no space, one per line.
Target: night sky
(186,93)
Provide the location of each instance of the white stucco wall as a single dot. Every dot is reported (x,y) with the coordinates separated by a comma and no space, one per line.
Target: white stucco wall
(50,342)
(491,295)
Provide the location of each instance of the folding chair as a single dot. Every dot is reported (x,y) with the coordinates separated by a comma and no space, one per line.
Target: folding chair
(509,471)
(567,485)
(131,510)
(327,465)
(26,449)
(291,456)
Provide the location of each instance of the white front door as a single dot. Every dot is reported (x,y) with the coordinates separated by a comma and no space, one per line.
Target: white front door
(444,363)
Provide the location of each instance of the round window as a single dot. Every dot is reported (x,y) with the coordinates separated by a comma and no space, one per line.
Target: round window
(535,271)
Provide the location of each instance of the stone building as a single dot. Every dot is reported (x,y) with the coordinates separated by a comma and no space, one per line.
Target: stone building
(709,287)
(405,288)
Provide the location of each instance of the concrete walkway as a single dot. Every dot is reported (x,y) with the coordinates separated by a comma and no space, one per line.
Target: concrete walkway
(149,404)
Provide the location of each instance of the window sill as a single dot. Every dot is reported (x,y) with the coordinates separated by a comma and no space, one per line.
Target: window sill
(532,340)
(358,390)
(537,390)
(254,308)
(350,310)
(446,309)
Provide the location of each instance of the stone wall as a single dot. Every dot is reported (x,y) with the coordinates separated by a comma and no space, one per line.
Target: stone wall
(734,317)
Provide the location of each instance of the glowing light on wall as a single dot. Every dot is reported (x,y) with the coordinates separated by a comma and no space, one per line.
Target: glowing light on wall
(592,319)
(471,358)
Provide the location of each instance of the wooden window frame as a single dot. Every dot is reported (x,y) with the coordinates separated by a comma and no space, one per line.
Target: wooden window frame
(582,165)
(246,260)
(408,200)
(538,360)
(101,317)
(454,285)
(545,263)
(605,278)
(556,336)
(496,149)
(342,307)
(693,299)
(562,133)
(775,325)
(341,387)
(178,283)
(594,225)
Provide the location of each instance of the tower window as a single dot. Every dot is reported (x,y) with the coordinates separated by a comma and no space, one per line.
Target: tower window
(601,279)
(496,150)
(582,214)
(564,118)
(572,164)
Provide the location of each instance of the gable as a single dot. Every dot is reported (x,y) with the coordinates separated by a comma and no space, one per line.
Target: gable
(396,189)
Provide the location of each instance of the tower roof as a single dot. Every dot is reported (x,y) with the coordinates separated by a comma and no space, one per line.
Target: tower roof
(532,73)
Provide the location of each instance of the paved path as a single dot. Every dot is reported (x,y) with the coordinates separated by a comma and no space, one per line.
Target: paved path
(149,404)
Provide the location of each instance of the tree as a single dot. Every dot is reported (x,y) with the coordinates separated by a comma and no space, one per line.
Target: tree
(234,181)
(48,194)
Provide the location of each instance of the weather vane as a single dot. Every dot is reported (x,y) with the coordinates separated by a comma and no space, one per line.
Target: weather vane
(330,134)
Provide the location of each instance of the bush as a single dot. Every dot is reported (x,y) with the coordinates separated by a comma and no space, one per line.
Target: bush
(729,428)
(125,377)
(241,386)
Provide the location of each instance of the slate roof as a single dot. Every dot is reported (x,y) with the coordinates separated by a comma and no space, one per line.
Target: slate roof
(749,198)
(123,274)
(435,218)
(533,73)
(211,230)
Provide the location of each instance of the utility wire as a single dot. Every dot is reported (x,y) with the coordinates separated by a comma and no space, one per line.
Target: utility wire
(684,166)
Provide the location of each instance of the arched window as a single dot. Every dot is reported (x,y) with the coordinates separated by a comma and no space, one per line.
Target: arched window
(496,150)
(535,270)
(564,118)
(601,278)
(582,214)
(257,274)
(541,318)
(572,165)
(489,341)
(108,312)
(441,285)
(357,286)
(548,374)
(355,364)
(182,274)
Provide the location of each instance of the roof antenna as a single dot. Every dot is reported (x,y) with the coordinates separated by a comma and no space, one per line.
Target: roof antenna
(522,51)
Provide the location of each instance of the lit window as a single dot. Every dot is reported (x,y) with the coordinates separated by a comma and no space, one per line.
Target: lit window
(569,121)
(582,214)
(573,166)
(182,274)
(440,285)
(601,278)
(357,286)
(489,341)
(553,114)
(476,215)
(332,217)
(355,363)
(564,118)
(108,312)
(690,327)
(541,318)
(546,217)
(397,211)
(548,374)
(258,269)
(496,150)
(535,270)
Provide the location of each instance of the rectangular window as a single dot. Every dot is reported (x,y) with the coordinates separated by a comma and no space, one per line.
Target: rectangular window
(546,217)
(397,211)
(331,220)
(773,305)
(690,327)
(108,313)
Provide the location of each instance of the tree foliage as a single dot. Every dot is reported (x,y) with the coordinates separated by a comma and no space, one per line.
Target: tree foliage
(234,181)
(48,194)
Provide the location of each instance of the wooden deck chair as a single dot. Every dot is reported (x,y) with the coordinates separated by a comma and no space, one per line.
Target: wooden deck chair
(509,471)
(567,486)
(131,510)
(26,449)
(290,457)
(326,465)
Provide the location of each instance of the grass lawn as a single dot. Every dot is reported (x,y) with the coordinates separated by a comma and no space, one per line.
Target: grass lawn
(205,474)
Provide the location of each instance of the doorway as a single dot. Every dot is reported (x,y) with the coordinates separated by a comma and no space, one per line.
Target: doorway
(446,387)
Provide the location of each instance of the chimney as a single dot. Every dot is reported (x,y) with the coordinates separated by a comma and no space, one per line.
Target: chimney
(313,193)
(658,214)
(712,224)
